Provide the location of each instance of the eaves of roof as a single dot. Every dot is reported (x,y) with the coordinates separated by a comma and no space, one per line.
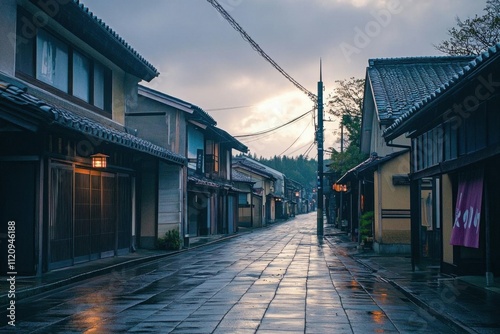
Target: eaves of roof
(294,183)
(201,116)
(277,175)
(228,139)
(165,99)
(369,164)
(254,170)
(397,127)
(398,83)
(201,180)
(81,22)
(195,113)
(13,97)
(237,176)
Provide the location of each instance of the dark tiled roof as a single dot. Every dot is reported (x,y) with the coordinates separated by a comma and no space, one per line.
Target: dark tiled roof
(477,62)
(240,177)
(399,83)
(80,21)
(369,164)
(115,35)
(228,139)
(12,95)
(201,180)
(252,166)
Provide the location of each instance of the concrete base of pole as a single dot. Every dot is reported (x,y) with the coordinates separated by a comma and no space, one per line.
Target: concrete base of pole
(490,279)
(319,225)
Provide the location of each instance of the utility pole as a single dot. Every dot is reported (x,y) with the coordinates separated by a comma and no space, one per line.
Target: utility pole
(342,136)
(319,138)
(341,213)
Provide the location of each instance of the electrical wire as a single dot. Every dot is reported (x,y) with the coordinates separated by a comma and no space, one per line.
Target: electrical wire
(227,108)
(256,138)
(295,140)
(247,140)
(275,128)
(306,153)
(257,48)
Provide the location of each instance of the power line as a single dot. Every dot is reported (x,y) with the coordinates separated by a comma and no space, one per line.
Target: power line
(306,153)
(258,137)
(227,108)
(295,140)
(275,128)
(257,48)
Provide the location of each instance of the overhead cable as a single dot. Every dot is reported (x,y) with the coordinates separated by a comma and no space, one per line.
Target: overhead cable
(257,48)
(227,108)
(294,141)
(306,153)
(275,128)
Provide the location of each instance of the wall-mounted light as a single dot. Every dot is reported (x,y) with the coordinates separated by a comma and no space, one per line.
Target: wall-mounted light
(339,187)
(99,160)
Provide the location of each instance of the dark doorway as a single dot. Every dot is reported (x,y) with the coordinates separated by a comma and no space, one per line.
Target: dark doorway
(17,204)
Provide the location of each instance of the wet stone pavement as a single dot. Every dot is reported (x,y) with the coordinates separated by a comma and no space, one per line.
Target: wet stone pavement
(279,279)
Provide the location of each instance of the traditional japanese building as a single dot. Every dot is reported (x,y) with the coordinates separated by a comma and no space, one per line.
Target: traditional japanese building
(455,151)
(70,171)
(380,184)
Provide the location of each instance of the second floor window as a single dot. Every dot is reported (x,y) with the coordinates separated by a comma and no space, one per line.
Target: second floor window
(51,61)
(81,77)
(212,156)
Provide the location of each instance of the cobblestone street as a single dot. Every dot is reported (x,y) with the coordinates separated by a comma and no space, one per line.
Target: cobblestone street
(279,279)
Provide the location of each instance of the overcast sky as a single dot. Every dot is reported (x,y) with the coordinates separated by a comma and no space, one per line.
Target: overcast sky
(203,60)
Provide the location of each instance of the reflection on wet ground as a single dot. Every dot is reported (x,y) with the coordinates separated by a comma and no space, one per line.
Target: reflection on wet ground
(273,280)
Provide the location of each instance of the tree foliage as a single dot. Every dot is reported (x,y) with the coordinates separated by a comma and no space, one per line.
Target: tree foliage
(300,169)
(474,35)
(346,103)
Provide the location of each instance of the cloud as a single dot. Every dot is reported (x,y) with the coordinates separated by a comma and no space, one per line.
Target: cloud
(203,60)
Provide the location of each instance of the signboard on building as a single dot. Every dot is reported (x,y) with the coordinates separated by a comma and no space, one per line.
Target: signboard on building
(199,161)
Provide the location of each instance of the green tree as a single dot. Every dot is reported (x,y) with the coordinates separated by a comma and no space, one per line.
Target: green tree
(346,103)
(474,35)
(299,169)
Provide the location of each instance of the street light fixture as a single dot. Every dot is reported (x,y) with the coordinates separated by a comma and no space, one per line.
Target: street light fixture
(99,160)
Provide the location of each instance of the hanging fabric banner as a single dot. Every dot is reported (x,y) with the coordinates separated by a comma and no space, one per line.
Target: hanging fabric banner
(468,209)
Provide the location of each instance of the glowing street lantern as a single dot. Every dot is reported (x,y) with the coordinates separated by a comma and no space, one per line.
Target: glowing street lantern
(99,160)
(339,187)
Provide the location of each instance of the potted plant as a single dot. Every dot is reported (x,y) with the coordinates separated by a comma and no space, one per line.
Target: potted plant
(170,241)
(366,229)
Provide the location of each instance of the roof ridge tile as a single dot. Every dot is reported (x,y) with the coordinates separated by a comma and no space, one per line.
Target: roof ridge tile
(471,66)
(113,33)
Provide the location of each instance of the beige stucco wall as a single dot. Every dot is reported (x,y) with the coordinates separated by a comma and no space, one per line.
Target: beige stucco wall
(391,197)
(395,197)
(378,143)
(447,216)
